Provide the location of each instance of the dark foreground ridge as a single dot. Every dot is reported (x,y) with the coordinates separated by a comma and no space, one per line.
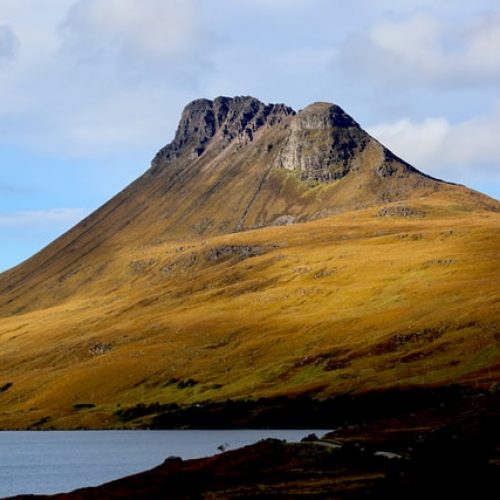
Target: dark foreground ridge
(391,449)
(304,411)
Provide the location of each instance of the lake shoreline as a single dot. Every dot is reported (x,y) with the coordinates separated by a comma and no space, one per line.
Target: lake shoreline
(33,462)
(432,444)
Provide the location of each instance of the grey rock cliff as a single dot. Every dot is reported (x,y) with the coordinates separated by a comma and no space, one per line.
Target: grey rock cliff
(322,143)
(228,117)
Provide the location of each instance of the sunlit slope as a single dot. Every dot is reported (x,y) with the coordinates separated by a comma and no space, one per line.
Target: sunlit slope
(394,295)
(295,168)
(265,252)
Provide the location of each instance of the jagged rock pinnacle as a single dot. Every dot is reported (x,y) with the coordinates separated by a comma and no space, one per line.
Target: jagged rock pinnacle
(230,117)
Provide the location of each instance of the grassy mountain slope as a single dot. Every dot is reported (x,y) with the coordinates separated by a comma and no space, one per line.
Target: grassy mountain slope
(186,286)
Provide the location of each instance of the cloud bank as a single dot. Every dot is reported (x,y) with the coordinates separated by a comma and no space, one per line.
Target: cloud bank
(97,76)
(423,50)
(90,78)
(467,152)
(132,31)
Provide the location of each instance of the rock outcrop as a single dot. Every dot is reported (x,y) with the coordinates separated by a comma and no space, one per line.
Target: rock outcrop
(322,144)
(227,117)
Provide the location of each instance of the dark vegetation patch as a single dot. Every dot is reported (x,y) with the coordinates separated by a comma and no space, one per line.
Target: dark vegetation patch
(412,345)
(6,387)
(41,422)
(303,411)
(83,406)
(319,359)
(141,410)
(402,341)
(184,384)
(181,383)
(332,365)
(171,381)
(408,339)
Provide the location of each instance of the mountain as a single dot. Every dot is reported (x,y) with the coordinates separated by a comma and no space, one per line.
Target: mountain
(264,252)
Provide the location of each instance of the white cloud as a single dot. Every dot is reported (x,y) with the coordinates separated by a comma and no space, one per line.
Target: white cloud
(482,51)
(96,76)
(158,30)
(55,218)
(418,143)
(414,42)
(423,49)
(466,152)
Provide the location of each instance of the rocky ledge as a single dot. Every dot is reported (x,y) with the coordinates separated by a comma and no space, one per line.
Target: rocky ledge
(228,117)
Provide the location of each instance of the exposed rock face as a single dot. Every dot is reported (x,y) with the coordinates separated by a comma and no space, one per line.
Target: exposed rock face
(322,143)
(230,117)
(393,165)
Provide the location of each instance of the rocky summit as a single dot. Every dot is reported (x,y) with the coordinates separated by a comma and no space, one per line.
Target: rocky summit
(228,118)
(321,142)
(265,253)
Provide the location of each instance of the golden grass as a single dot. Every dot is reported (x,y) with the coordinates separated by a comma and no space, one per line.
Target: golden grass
(352,302)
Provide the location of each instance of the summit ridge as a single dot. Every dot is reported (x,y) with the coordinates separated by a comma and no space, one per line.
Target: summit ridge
(230,117)
(319,143)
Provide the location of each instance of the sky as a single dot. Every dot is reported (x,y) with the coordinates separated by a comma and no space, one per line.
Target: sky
(90,90)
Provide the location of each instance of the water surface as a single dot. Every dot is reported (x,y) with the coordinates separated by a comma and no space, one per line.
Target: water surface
(47,462)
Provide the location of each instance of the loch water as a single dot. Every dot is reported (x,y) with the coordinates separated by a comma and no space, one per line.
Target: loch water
(45,462)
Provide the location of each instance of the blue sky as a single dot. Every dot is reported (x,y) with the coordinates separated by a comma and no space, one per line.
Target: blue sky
(91,89)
